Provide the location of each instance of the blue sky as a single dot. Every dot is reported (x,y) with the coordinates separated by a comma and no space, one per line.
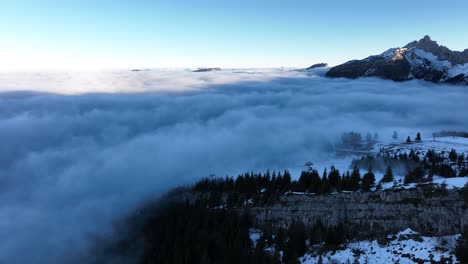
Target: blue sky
(55,34)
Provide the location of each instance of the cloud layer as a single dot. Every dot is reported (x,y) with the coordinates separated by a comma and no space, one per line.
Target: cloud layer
(72,164)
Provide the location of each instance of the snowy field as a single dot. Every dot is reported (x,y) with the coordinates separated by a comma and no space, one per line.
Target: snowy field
(439,144)
(406,247)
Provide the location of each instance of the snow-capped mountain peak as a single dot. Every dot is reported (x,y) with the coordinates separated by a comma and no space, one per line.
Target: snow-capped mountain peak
(423,59)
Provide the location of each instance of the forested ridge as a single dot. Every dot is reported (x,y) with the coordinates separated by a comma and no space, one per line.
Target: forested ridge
(209,223)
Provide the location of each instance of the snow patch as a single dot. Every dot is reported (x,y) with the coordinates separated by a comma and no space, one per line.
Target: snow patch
(255,235)
(418,57)
(457,182)
(457,70)
(405,247)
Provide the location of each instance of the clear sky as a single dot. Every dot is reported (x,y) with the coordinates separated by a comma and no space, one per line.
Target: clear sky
(91,34)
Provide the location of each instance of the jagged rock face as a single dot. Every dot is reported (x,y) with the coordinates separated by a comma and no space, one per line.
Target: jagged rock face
(426,66)
(352,69)
(395,68)
(442,52)
(379,66)
(413,61)
(370,213)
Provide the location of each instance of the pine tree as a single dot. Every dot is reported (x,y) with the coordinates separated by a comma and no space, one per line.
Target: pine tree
(260,249)
(461,159)
(286,180)
(280,239)
(418,137)
(368,181)
(304,182)
(461,251)
(326,187)
(317,234)
(334,179)
(408,140)
(320,260)
(414,175)
(316,182)
(295,246)
(388,177)
(453,156)
(355,179)
(395,135)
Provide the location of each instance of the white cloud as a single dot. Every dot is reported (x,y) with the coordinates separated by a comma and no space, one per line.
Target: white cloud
(72,164)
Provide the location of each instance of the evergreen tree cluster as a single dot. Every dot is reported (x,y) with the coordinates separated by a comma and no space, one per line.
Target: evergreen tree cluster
(451,134)
(355,140)
(295,245)
(261,188)
(388,176)
(400,163)
(417,138)
(415,175)
(415,166)
(267,187)
(184,233)
(311,182)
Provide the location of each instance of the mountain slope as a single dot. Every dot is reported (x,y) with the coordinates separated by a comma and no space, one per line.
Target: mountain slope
(423,59)
(442,52)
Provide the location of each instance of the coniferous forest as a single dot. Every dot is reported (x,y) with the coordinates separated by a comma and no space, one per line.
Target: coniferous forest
(208,221)
(182,232)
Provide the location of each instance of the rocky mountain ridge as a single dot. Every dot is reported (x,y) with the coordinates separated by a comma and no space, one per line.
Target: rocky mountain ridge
(441,52)
(423,59)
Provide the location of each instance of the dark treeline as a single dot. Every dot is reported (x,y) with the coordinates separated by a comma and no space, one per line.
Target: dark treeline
(187,232)
(261,188)
(267,187)
(192,232)
(183,233)
(298,239)
(355,140)
(451,134)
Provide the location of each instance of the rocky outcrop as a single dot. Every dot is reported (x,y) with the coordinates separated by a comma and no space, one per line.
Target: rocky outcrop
(207,70)
(318,65)
(417,60)
(371,213)
(379,66)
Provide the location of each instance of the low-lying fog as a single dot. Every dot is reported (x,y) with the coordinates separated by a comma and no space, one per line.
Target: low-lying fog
(79,150)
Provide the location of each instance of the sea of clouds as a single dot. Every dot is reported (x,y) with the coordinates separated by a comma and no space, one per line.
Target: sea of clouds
(80,149)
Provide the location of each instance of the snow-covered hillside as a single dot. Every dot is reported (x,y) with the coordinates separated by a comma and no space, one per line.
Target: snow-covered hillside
(405,247)
(396,147)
